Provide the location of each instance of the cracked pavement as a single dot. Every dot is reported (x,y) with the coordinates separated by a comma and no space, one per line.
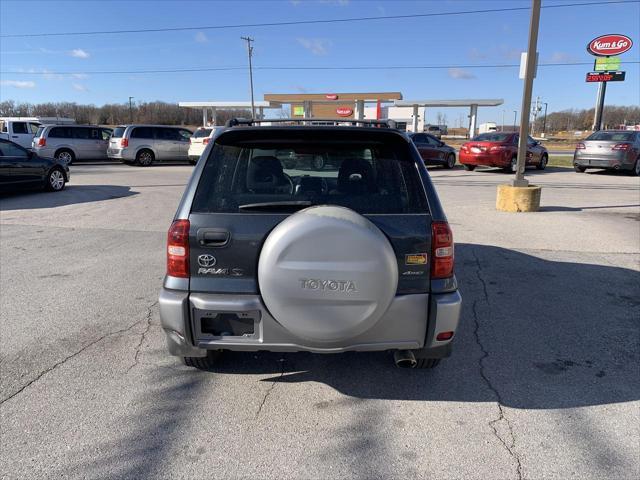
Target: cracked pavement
(543,381)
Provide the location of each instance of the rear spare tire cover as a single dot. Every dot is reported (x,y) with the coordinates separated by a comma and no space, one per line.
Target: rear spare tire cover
(327,274)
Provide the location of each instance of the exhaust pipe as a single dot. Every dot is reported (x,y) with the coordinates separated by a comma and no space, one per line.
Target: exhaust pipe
(404,359)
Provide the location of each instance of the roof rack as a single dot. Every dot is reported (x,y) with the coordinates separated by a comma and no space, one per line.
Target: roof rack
(312,121)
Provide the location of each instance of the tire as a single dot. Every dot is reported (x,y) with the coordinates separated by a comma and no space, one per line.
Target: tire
(579,169)
(203,363)
(636,168)
(55,180)
(543,163)
(427,362)
(317,163)
(469,168)
(309,303)
(145,158)
(65,155)
(451,162)
(511,168)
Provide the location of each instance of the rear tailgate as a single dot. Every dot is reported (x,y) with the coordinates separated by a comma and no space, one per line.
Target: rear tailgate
(225,240)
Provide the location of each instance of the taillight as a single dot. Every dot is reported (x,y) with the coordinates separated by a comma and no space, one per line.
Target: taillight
(178,249)
(580,146)
(205,141)
(124,142)
(621,146)
(441,250)
(463,148)
(42,142)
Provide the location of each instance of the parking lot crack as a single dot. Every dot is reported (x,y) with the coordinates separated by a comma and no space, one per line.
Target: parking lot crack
(69,357)
(143,335)
(509,444)
(270,389)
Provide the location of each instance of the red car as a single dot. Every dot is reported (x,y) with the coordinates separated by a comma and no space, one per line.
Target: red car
(500,149)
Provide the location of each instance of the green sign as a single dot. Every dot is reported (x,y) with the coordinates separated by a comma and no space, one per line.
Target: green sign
(605,64)
(298,111)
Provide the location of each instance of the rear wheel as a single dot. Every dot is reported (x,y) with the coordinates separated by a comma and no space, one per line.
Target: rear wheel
(451,162)
(636,168)
(318,162)
(203,363)
(427,362)
(55,180)
(65,156)
(579,169)
(469,168)
(511,168)
(543,163)
(145,158)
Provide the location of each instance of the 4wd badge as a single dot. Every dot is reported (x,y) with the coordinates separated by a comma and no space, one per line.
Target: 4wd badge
(415,259)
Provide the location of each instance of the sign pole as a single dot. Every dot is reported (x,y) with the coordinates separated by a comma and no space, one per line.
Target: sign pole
(526,95)
(597,122)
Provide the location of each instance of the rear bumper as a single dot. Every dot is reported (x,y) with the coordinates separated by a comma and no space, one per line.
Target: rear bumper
(616,162)
(126,154)
(485,159)
(411,322)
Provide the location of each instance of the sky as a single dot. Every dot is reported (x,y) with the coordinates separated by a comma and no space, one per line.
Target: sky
(455,43)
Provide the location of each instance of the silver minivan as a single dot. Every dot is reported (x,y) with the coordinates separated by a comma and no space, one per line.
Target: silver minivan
(144,144)
(67,143)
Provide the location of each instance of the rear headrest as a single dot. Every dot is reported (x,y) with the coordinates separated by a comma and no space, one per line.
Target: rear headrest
(356,176)
(265,174)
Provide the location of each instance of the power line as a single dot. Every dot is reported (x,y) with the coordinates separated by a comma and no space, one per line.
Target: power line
(313,22)
(351,67)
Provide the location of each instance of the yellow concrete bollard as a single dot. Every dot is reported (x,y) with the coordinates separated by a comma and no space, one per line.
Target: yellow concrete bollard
(518,199)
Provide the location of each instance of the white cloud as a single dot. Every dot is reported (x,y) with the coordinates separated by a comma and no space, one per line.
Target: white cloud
(18,83)
(477,54)
(79,87)
(317,46)
(80,76)
(562,57)
(79,53)
(201,37)
(461,74)
(49,75)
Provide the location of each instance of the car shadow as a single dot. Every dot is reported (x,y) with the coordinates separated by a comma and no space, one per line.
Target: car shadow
(72,194)
(534,334)
(556,208)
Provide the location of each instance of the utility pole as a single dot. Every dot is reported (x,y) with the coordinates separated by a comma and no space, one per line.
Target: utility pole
(250,53)
(515,119)
(544,122)
(532,47)
(502,127)
(130,110)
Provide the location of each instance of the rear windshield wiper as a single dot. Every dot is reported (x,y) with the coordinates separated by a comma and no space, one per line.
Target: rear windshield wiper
(289,206)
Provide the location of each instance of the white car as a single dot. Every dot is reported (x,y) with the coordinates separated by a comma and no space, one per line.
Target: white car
(199,141)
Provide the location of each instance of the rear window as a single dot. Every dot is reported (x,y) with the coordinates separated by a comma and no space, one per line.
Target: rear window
(491,137)
(280,177)
(118,132)
(202,132)
(39,131)
(612,136)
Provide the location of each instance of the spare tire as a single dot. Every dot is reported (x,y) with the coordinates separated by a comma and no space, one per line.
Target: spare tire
(327,274)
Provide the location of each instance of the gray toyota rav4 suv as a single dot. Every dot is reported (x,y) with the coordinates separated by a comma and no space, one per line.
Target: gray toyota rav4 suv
(269,251)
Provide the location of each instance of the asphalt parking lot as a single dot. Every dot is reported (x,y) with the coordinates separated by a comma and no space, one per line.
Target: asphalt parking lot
(543,382)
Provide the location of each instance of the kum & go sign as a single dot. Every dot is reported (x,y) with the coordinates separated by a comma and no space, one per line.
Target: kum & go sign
(609,45)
